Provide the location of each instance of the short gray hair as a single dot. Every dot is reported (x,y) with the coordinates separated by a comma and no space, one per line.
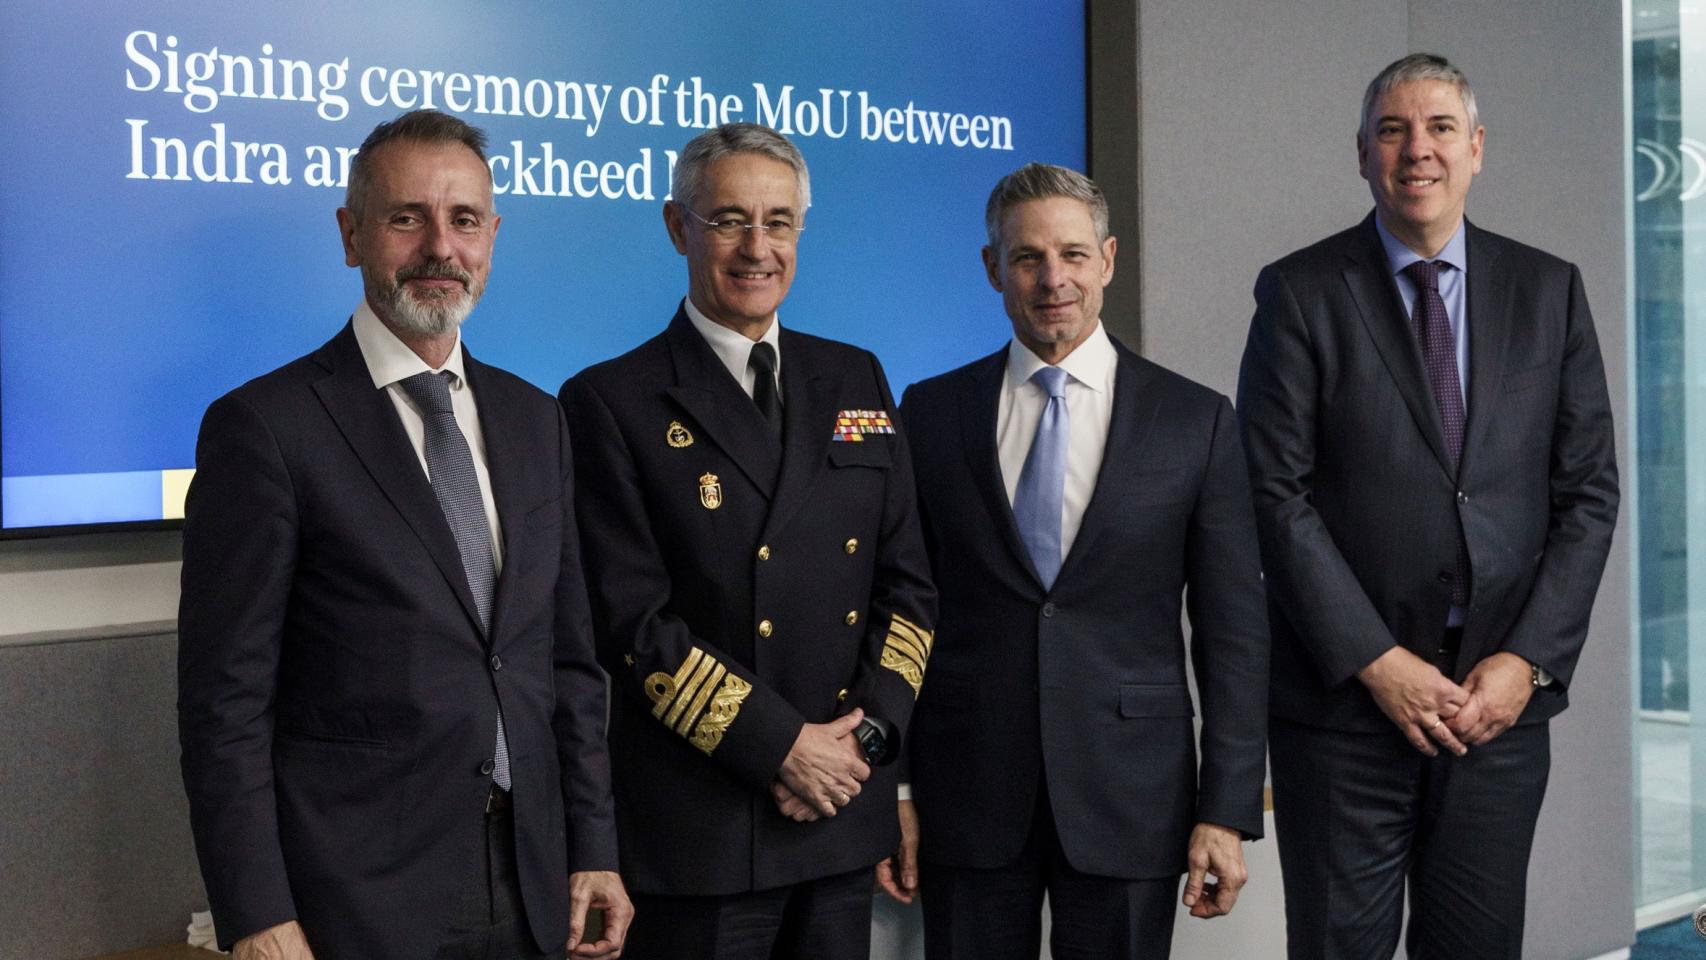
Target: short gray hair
(725,141)
(420,126)
(1411,69)
(1039,181)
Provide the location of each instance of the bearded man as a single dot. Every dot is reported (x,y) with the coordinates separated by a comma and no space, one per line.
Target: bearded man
(392,723)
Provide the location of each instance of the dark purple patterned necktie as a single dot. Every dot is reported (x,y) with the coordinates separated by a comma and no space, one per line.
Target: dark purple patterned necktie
(1439,355)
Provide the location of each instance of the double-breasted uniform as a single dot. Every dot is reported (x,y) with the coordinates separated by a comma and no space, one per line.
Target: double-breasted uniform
(743,586)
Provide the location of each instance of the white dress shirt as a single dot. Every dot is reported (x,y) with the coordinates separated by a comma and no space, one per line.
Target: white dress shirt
(734,349)
(1090,371)
(390,361)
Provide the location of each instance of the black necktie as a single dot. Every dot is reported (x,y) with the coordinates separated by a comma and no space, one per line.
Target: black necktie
(762,363)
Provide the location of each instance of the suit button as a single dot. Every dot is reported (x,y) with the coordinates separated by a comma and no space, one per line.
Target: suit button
(1462,498)
(764,628)
(851,546)
(1445,576)
(487,768)
(497,663)
(852,617)
(1048,609)
(764,552)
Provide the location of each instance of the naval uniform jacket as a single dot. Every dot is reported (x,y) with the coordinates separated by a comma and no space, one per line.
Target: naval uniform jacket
(742,587)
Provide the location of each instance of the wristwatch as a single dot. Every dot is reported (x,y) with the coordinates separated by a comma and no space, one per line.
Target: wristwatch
(871,741)
(1540,677)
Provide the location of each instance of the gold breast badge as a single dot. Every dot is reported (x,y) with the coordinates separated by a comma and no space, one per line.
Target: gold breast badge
(710,491)
(678,436)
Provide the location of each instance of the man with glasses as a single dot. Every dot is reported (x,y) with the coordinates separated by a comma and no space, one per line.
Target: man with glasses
(759,588)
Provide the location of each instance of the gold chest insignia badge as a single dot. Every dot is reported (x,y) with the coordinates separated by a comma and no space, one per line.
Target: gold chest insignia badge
(678,436)
(710,491)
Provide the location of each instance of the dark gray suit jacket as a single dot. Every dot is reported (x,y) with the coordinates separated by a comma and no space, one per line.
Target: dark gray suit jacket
(1085,683)
(1356,502)
(337,694)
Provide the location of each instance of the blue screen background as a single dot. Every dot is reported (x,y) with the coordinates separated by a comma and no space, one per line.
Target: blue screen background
(127,305)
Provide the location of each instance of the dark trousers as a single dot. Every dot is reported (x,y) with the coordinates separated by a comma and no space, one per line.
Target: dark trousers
(1359,814)
(997,914)
(488,922)
(825,919)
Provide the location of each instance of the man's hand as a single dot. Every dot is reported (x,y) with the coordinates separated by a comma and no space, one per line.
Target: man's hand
(602,890)
(790,804)
(898,875)
(1499,688)
(283,942)
(825,766)
(1218,850)
(1417,697)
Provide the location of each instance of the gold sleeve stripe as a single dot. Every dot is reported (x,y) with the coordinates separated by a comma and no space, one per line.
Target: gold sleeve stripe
(684,695)
(908,646)
(724,707)
(907,650)
(924,638)
(907,669)
(662,687)
(699,698)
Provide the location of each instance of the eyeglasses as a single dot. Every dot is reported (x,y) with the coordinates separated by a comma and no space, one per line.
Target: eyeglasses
(780,233)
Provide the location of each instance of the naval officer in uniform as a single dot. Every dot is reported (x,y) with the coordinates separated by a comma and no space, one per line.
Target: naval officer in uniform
(760,591)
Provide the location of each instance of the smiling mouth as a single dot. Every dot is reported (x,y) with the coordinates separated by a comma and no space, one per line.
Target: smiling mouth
(751,274)
(1418,181)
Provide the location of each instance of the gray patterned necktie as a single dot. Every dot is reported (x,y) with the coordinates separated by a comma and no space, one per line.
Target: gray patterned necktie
(450,467)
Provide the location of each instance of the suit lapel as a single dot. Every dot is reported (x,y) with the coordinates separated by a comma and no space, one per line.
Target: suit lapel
(1371,286)
(979,407)
(1489,331)
(504,457)
(1129,425)
(368,420)
(720,407)
(809,392)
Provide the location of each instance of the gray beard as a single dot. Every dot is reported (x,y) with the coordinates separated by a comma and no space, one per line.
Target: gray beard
(429,318)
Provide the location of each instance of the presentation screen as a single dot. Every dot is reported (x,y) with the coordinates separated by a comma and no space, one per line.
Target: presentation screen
(173,170)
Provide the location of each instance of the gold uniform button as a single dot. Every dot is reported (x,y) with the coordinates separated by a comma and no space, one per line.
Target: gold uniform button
(842,696)
(852,617)
(764,552)
(851,545)
(764,628)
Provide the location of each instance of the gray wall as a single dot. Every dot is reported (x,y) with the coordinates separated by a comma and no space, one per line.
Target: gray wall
(1244,138)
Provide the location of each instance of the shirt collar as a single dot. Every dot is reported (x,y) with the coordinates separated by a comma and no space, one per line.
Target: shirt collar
(1092,364)
(733,348)
(1399,256)
(390,359)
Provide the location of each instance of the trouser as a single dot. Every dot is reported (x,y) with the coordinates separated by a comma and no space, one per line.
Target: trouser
(824,919)
(1360,814)
(973,914)
(488,921)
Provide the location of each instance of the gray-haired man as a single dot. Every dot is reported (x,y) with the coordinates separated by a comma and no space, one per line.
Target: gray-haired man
(760,594)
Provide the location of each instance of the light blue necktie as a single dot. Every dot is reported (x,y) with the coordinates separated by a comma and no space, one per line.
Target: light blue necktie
(450,467)
(1042,482)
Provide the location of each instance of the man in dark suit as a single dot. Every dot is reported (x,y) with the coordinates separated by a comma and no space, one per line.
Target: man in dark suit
(391,719)
(759,588)
(1432,459)
(1076,498)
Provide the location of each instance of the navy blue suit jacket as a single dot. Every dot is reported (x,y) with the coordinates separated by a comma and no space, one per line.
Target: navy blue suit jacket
(1085,683)
(337,694)
(1357,504)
